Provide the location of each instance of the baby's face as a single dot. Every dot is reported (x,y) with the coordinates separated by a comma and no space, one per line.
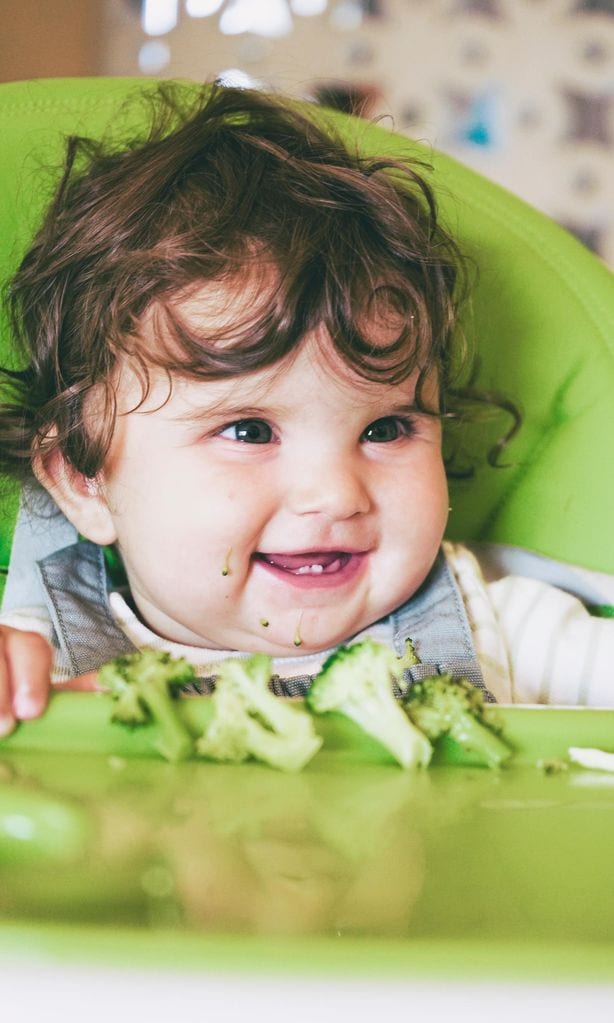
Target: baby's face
(298,496)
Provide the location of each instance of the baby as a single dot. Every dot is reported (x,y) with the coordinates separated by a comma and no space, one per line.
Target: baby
(241,345)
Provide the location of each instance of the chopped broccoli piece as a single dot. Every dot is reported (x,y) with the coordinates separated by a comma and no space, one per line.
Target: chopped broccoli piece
(553,765)
(356,681)
(443,705)
(142,685)
(249,721)
(410,657)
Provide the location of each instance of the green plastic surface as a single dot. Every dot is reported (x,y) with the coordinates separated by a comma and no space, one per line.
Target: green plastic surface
(542,319)
(353,865)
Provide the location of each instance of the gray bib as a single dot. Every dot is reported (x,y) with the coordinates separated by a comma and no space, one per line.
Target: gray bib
(71,578)
(75,586)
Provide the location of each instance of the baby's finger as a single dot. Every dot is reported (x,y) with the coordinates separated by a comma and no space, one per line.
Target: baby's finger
(7,718)
(87,683)
(28,658)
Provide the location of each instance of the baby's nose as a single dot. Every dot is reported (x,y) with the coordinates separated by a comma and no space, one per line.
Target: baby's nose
(329,486)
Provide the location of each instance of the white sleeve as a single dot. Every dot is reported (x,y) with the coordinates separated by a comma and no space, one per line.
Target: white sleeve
(488,640)
(558,653)
(29,619)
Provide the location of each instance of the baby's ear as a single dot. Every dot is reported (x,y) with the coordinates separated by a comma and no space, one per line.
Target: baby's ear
(81,498)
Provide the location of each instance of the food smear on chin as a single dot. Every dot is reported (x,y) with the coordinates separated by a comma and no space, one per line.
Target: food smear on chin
(226,565)
(297,634)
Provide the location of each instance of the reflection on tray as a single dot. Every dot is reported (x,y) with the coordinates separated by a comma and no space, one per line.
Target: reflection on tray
(452,852)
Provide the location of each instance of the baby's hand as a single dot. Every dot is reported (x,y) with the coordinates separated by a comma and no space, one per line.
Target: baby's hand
(25,676)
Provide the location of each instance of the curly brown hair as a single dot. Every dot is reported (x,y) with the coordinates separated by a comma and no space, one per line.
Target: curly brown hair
(216,187)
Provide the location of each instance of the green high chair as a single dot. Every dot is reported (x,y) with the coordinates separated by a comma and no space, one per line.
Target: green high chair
(355,872)
(541,319)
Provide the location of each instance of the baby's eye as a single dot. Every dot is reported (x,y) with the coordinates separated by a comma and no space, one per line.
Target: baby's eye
(387,429)
(249,431)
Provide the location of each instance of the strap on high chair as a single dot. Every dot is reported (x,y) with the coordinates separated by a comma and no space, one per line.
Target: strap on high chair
(40,529)
(75,586)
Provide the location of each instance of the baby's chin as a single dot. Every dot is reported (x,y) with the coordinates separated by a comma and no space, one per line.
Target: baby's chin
(288,632)
(300,634)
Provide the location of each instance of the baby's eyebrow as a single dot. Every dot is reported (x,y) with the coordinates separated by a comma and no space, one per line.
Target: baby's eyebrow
(407,408)
(220,410)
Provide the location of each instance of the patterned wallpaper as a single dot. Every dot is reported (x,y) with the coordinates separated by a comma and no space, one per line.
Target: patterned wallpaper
(522,90)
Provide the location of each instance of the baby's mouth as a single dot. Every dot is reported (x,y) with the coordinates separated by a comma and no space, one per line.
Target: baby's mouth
(307,562)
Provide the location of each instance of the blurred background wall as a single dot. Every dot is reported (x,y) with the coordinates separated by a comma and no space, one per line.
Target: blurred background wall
(50,38)
(522,90)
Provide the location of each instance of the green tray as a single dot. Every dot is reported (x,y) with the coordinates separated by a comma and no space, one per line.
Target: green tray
(112,855)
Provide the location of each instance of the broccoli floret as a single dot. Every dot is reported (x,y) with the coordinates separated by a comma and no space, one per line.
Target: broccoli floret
(356,681)
(443,705)
(249,721)
(142,685)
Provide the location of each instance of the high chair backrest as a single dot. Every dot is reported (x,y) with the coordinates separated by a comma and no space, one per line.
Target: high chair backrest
(542,319)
